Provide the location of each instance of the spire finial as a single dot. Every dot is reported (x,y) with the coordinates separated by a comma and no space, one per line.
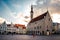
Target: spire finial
(31,12)
(31,8)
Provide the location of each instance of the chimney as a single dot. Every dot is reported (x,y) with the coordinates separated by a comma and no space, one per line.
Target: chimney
(31,12)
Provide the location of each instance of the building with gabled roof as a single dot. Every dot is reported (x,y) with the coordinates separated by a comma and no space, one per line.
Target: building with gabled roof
(20,25)
(3,28)
(38,18)
(40,25)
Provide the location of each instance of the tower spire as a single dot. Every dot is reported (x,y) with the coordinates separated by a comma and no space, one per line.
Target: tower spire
(31,12)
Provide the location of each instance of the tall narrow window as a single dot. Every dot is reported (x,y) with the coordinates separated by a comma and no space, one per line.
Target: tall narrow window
(49,19)
(38,31)
(34,27)
(40,26)
(37,27)
(47,26)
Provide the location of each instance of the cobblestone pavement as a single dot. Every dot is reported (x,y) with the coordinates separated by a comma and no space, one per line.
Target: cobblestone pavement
(29,37)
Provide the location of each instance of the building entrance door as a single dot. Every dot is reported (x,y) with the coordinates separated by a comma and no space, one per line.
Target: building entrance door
(42,32)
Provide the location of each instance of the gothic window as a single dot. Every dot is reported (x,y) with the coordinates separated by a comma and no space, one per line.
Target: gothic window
(47,26)
(38,31)
(49,19)
(47,30)
(40,26)
(34,27)
(53,30)
(43,32)
(37,27)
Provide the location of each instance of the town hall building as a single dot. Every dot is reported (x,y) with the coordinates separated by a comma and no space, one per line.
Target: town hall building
(40,25)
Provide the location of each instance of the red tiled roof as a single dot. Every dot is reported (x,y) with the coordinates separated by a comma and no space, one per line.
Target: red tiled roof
(39,17)
(19,25)
(8,24)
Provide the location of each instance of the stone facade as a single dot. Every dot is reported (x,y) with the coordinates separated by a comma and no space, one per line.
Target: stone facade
(40,25)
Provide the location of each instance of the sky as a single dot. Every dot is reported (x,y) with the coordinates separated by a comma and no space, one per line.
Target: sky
(18,11)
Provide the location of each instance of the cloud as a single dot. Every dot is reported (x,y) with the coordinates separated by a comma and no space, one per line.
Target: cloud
(2,20)
(16,15)
(55,4)
(43,3)
(56,7)
(56,17)
(54,1)
(18,10)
